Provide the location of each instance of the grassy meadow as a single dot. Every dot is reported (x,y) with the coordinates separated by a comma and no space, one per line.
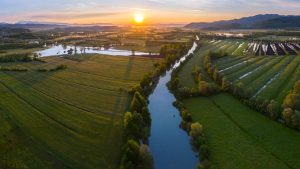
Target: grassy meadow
(68,118)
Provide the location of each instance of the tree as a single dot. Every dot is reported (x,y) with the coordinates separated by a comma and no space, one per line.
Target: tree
(225,84)
(186,116)
(290,118)
(138,102)
(134,126)
(204,152)
(292,100)
(127,119)
(273,110)
(146,159)
(196,130)
(297,87)
(131,152)
(216,75)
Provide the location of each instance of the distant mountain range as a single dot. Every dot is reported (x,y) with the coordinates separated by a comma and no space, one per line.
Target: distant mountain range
(267,21)
(39,26)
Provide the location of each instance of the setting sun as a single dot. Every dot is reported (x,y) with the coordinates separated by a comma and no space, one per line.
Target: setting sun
(139,18)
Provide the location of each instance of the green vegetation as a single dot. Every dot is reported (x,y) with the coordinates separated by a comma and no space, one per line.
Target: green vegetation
(236,132)
(137,122)
(235,135)
(70,118)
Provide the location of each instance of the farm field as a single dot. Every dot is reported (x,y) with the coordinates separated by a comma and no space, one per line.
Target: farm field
(262,75)
(68,118)
(239,137)
(266,73)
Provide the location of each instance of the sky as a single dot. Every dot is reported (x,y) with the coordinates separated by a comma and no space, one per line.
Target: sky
(155,11)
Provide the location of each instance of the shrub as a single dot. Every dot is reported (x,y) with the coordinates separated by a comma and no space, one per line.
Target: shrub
(23,57)
(14,69)
(290,118)
(59,67)
(273,110)
(292,100)
(145,157)
(204,165)
(204,152)
(131,152)
(42,70)
(196,130)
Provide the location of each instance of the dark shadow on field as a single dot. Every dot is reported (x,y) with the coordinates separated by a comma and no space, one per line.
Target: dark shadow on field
(31,78)
(129,68)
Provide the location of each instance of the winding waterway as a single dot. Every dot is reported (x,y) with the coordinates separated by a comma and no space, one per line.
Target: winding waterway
(169,144)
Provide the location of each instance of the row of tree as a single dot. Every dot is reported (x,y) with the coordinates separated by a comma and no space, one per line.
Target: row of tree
(196,133)
(137,124)
(14,69)
(291,106)
(20,57)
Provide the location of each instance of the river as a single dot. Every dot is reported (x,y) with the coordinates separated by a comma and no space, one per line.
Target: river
(57,50)
(169,144)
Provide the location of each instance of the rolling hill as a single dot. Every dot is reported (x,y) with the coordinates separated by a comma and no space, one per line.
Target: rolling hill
(267,21)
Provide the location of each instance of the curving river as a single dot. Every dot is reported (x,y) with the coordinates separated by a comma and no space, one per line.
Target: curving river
(169,144)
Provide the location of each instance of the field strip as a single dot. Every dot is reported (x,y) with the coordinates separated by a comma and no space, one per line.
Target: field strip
(70,129)
(33,78)
(59,85)
(67,103)
(284,91)
(248,134)
(268,83)
(72,82)
(249,73)
(280,82)
(266,67)
(230,62)
(250,63)
(282,68)
(247,69)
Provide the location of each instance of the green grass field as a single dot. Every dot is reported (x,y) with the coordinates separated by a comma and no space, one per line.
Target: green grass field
(69,118)
(239,137)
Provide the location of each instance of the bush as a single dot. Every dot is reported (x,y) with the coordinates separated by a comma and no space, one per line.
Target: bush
(131,152)
(208,88)
(204,165)
(23,57)
(146,159)
(273,110)
(42,70)
(14,69)
(292,100)
(290,118)
(196,130)
(59,67)
(204,152)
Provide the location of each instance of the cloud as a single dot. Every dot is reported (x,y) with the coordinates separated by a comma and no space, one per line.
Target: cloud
(158,1)
(75,15)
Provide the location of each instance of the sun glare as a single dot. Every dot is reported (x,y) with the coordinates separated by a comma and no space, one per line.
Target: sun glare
(139,18)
